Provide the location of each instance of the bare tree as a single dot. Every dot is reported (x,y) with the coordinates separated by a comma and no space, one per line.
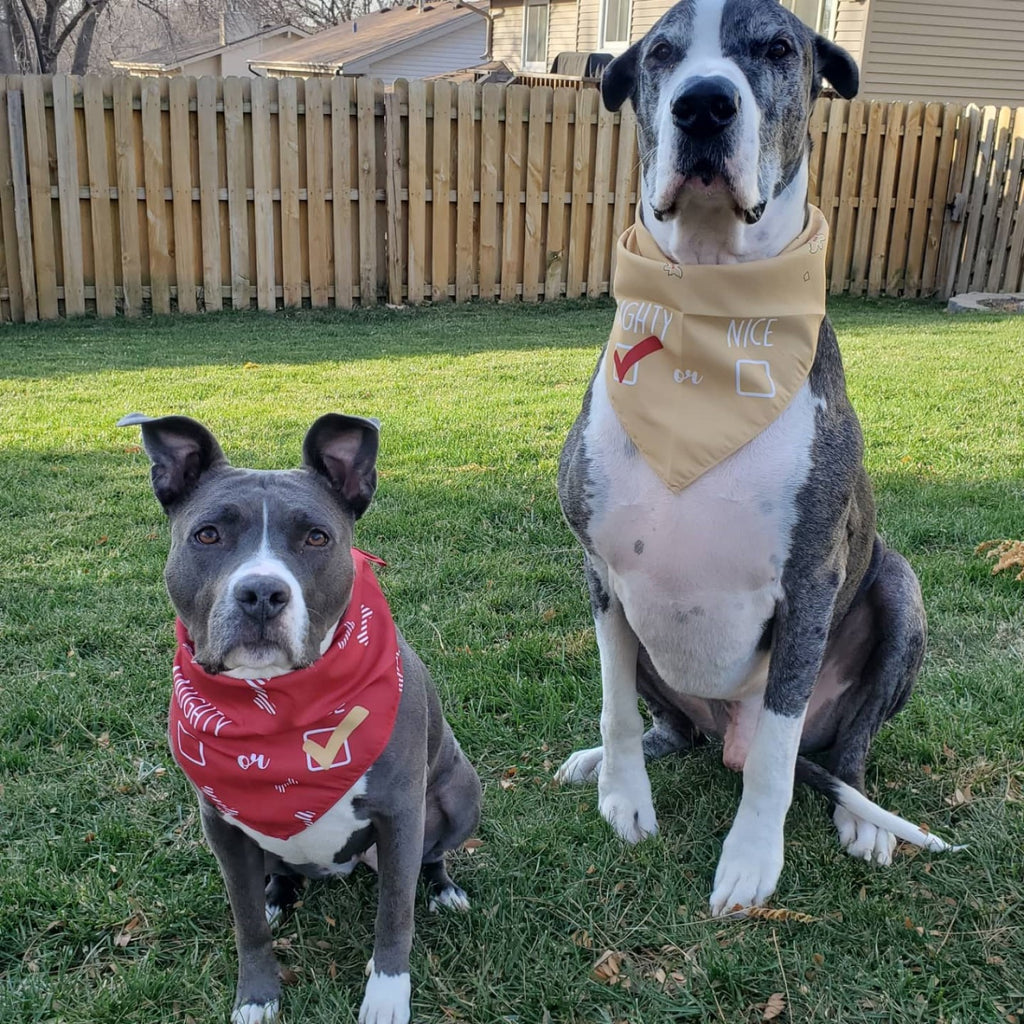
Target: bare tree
(34,33)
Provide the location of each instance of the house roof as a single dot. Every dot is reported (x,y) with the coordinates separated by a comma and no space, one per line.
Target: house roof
(386,31)
(206,44)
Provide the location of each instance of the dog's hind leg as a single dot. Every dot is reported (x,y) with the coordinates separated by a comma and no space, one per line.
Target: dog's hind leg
(883,687)
(671,731)
(282,889)
(452,813)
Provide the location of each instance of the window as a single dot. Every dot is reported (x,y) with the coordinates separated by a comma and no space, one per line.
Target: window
(614,33)
(819,14)
(535,35)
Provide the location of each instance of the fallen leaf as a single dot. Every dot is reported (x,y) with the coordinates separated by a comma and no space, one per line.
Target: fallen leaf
(608,967)
(582,938)
(288,976)
(472,845)
(777,914)
(775,1005)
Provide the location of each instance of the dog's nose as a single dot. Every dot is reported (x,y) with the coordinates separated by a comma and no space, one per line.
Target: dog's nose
(262,597)
(706,108)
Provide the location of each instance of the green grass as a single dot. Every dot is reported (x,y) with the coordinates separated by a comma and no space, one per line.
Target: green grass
(111,908)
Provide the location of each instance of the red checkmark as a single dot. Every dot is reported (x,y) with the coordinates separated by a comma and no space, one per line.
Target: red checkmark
(634,355)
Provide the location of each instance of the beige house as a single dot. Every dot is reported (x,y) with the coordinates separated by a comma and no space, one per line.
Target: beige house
(951,50)
(947,50)
(221,52)
(421,40)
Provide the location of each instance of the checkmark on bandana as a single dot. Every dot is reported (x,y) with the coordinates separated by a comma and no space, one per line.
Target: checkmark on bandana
(624,364)
(327,754)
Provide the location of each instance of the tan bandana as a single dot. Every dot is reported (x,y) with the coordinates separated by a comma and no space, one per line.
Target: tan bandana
(702,358)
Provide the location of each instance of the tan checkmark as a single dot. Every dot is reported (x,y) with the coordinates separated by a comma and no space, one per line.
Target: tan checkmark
(325,755)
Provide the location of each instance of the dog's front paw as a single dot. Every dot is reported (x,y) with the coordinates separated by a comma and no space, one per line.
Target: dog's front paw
(626,805)
(861,839)
(256,1013)
(386,1000)
(748,870)
(582,766)
(450,897)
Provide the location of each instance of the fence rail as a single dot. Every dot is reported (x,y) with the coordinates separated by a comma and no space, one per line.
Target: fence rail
(120,195)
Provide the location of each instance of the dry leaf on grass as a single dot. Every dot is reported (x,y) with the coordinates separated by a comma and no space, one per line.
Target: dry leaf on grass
(1008,554)
(608,968)
(777,914)
(774,1007)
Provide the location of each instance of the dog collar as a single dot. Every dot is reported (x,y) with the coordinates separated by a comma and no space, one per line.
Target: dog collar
(702,358)
(275,754)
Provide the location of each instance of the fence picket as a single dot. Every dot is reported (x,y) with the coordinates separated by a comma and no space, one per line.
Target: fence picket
(883,213)
(1013,276)
(316,195)
(440,193)
(288,127)
(38,155)
(579,218)
(367,149)
(262,193)
(533,213)
(923,185)
(67,191)
(341,189)
(490,169)
(181,187)
(209,191)
(563,103)
(976,200)
(17,221)
(516,99)
(395,158)
(600,245)
(899,237)
(465,219)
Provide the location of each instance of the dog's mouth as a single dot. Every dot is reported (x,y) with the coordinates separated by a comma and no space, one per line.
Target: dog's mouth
(704,181)
(250,660)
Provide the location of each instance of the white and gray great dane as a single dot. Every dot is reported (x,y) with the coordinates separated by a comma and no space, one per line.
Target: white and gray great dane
(758,604)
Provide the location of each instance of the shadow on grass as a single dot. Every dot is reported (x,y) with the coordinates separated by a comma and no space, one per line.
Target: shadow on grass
(87,345)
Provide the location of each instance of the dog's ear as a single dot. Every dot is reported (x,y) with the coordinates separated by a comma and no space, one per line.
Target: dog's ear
(344,450)
(181,451)
(835,64)
(618,82)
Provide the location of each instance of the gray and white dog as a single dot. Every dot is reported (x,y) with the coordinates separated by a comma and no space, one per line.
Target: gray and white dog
(260,572)
(758,604)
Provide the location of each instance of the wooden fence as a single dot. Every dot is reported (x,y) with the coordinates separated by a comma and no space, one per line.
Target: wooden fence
(122,195)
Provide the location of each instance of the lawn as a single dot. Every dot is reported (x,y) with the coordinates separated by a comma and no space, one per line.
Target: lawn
(111,907)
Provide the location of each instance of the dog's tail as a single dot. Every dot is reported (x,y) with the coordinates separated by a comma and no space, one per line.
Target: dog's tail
(813,775)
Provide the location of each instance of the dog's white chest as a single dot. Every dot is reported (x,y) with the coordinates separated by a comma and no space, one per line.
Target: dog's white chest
(699,572)
(318,844)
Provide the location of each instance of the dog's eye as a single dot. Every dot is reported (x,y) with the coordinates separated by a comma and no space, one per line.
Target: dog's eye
(661,53)
(778,49)
(207,535)
(317,539)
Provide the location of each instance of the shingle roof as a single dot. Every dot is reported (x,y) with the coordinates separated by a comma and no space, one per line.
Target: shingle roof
(369,34)
(189,49)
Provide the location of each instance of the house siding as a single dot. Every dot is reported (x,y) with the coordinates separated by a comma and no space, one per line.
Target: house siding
(562,25)
(852,26)
(507,34)
(455,50)
(944,50)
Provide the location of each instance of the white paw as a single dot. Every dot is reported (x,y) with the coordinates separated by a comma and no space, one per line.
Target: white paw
(626,804)
(452,898)
(863,840)
(582,766)
(256,1013)
(748,870)
(386,1000)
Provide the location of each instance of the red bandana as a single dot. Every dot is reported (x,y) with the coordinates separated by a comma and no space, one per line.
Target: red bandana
(278,753)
